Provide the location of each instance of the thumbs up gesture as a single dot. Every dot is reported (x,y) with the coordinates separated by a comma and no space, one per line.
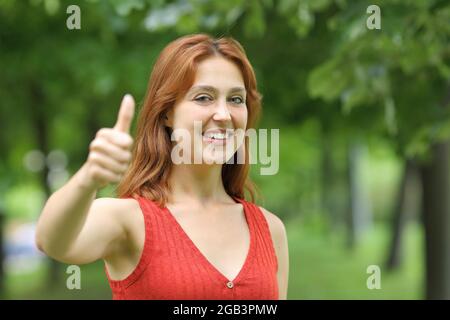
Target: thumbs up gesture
(109,152)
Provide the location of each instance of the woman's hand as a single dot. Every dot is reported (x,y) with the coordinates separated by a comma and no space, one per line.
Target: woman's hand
(109,153)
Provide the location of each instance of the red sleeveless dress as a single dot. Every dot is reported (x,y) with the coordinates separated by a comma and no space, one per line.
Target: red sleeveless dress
(171,267)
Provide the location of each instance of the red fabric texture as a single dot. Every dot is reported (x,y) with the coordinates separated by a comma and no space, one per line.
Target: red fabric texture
(171,267)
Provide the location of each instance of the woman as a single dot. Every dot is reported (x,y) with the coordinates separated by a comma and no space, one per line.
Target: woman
(179,229)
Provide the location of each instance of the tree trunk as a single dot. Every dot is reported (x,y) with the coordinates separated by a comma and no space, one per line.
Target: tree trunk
(359,213)
(436,219)
(327,183)
(400,214)
(41,130)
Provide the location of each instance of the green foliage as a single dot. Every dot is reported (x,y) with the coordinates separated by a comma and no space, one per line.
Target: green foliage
(365,66)
(255,22)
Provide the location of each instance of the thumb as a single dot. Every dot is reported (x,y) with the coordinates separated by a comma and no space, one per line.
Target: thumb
(126,114)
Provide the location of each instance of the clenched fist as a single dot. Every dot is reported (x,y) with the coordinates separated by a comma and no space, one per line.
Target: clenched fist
(109,152)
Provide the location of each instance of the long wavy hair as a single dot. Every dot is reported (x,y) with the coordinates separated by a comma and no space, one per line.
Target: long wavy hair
(172,76)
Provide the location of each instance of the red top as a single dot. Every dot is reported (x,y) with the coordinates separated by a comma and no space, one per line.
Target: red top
(171,267)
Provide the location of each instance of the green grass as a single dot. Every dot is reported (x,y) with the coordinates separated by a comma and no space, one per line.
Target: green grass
(320,268)
(34,285)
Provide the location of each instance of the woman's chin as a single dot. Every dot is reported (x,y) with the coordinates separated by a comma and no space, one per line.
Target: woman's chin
(216,158)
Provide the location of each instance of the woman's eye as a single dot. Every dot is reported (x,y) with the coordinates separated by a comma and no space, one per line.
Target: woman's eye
(203,99)
(237,100)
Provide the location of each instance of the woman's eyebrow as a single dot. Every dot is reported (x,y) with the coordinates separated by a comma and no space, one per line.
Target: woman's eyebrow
(238,89)
(204,88)
(213,89)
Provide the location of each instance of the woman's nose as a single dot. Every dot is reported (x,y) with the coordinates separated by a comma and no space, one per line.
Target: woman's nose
(222,113)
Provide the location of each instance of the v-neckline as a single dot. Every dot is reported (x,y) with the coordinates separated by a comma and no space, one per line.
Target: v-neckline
(205,260)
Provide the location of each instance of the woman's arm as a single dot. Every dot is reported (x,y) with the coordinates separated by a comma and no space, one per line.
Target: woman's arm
(74,227)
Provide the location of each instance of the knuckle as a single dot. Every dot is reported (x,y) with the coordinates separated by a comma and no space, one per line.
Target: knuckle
(116,139)
(93,157)
(101,132)
(129,140)
(96,144)
(124,158)
(92,144)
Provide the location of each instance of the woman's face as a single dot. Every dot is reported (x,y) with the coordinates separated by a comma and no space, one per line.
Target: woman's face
(213,112)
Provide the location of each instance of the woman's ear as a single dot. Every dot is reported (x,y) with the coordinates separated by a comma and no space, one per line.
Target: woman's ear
(168,119)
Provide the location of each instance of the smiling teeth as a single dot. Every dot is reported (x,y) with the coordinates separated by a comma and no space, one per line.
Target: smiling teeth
(216,135)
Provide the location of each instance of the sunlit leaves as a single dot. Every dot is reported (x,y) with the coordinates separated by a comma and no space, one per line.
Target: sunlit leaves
(328,81)
(124,7)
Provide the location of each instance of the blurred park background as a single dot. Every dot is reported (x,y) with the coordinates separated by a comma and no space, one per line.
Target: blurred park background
(364,119)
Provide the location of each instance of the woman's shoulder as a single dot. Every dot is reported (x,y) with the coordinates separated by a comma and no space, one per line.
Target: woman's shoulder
(117,204)
(280,243)
(127,211)
(276,226)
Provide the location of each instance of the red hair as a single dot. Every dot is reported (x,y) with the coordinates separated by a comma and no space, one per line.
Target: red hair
(172,76)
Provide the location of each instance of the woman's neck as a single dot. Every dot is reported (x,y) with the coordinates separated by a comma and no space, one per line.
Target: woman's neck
(200,184)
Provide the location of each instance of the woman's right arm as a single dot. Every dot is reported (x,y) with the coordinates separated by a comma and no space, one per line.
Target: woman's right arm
(76,228)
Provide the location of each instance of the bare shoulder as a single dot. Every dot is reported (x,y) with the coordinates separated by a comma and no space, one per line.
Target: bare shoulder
(126,212)
(280,242)
(276,225)
(116,205)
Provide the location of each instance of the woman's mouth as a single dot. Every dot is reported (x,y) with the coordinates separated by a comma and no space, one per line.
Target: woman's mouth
(217,136)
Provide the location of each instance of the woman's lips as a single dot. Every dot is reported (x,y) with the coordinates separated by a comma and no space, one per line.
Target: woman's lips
(217,139)
(219,142)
